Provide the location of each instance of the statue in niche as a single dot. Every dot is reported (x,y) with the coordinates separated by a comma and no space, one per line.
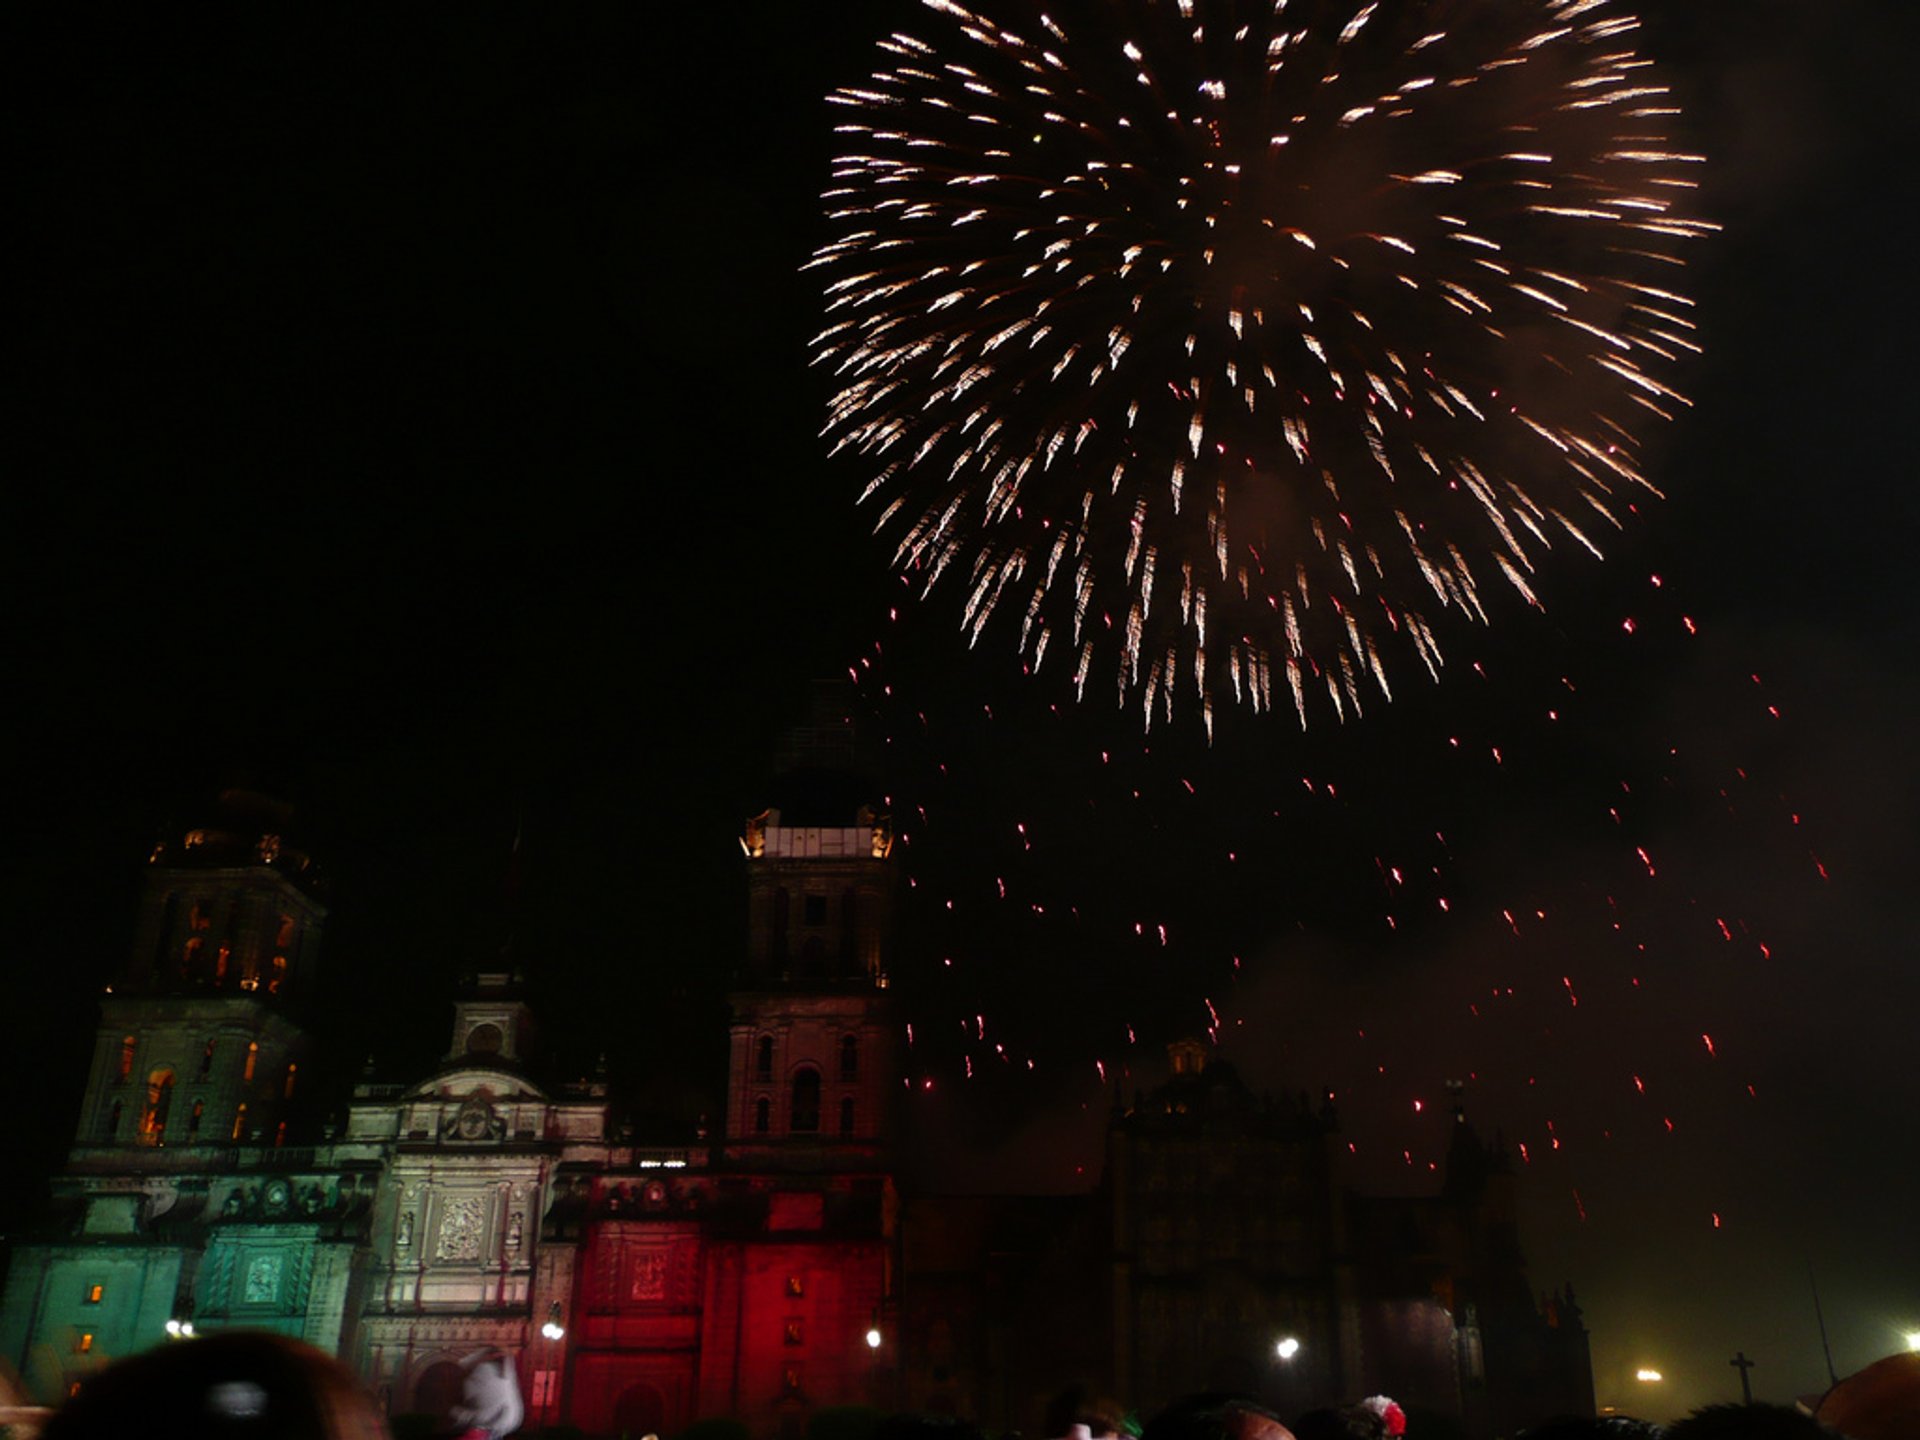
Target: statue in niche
(230,1210)
(404,1239)
(516,1225)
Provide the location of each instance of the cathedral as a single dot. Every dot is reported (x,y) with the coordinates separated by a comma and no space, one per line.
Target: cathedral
(766,1269)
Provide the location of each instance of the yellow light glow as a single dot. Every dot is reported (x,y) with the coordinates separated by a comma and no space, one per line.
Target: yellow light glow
(1648,1377)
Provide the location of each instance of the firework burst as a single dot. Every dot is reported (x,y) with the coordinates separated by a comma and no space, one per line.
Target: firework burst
(1220,346)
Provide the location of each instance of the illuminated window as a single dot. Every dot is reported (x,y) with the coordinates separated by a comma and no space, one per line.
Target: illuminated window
(239,1122)
(796,1284)
(96,1293)
(84,1345)
(127,1045)
(849,1058)
(253,1060)
(763,1058)
(206,1061)
(190,954)
(846,1119)
(762,1115)
(805,1115)
(287,1090)
(790,1379)
(153,1119)
(193,1120)
(73,1389)
(279,975)
(221,964)
(279,1134)
(796,1331)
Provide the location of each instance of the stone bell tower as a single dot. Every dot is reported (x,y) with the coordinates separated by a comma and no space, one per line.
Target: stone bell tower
(197,1046)
(814,1059)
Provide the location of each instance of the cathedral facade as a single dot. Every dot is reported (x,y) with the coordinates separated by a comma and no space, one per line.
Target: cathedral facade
(636,1288)
(764,1272)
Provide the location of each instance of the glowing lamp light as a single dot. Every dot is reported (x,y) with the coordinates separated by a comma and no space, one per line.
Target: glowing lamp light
(180,1329)
(1287,1348)
(1648,1377)
(1913,1340)
(873,1338)
(553,1329)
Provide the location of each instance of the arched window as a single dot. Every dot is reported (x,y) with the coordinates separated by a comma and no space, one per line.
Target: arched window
(153,1119)
(439,1387)
(193,1120)
(763,1058)
(240,1123)
(206,1061)
(286,1092)
(253,1060)
(849,1058)
(640,1410)
(221,964)
(806,1101)
(127,1046)
(846,1119)
(113,1120)
(762,1115)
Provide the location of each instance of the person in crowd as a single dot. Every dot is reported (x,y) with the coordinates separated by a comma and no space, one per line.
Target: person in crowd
(234,1385)
(1216,1417)
(1749,1422)
(490,1407)
(1077,1414)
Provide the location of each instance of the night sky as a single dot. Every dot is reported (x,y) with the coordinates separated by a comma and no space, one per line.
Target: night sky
(418,425)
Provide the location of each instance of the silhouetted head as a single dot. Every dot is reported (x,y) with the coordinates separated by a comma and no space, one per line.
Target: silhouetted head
(1216,1417)
(236,1385)
(1749,1422)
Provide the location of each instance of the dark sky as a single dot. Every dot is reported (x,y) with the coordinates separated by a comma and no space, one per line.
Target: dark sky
(418,425)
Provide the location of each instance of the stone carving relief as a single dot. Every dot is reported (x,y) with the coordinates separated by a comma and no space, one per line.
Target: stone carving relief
(262,1285)
(476,1119)
(462,1222)
(648,1275)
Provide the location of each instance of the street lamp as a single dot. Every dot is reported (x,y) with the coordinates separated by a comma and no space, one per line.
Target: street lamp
(1648,1377)
(554,1332)
(874,1337)
(1287,1348)
(179,1329)
(1913,1339)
